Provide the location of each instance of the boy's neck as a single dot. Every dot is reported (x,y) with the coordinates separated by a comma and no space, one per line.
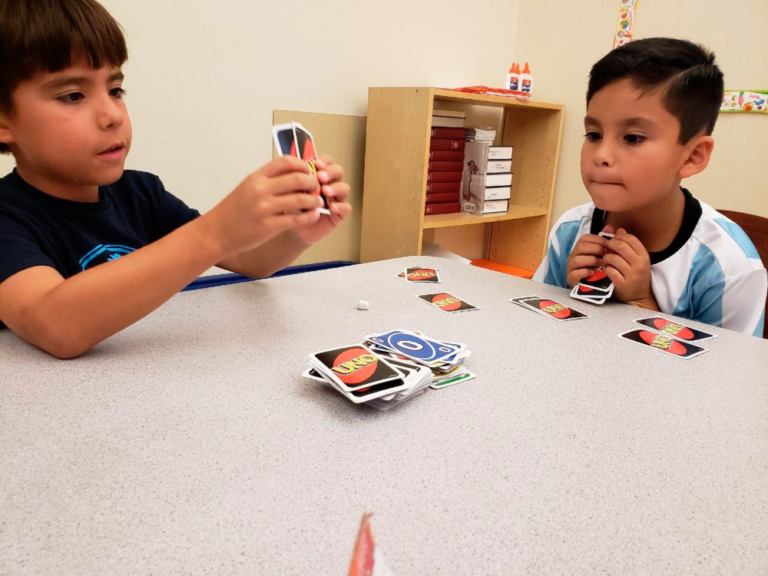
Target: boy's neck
(655,225)
(66,191)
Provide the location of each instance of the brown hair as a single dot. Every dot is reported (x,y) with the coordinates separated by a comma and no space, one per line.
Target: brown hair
(49,36)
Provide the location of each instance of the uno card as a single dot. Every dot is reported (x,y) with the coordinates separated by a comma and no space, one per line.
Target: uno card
(285,139)
(455,380)
(305,144)
(447,302)
(414,346)
(354,367)
(663,343)
(606,235)
(292,139)
(598,281)
(590,295)
(422,275)
(551,308)
(674,329)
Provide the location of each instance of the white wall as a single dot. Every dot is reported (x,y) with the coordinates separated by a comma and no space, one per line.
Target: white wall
(204,76)
(562,39)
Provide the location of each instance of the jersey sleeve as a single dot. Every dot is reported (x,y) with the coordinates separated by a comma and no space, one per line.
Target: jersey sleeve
(18,249)
(736,303)
(553,269)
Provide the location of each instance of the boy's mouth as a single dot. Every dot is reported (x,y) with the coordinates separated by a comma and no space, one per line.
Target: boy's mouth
(115,148)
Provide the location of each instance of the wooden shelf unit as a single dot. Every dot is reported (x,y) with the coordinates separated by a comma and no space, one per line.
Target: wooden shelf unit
(396,163)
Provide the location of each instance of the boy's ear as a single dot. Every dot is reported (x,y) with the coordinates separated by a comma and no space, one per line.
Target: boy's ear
(699,150)
(6,137)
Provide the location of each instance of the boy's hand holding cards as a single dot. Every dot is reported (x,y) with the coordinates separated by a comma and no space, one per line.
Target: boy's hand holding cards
(292,139)
(597,287)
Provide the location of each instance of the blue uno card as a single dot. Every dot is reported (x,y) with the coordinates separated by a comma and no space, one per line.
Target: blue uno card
(419,348)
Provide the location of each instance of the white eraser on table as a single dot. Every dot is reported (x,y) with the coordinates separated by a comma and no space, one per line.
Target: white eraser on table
(363,305)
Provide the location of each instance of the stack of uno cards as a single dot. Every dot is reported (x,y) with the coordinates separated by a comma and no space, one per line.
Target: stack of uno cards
(597,288)
(669,337)
(292,139)
(420,275)
(364,376)
(444,359)
(548,307)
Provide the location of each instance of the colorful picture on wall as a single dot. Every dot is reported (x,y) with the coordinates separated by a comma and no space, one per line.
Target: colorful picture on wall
(624,31)
(755,101)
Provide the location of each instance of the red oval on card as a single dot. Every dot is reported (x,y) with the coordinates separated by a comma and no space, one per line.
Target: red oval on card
(673,328)
(355,365)
(446,302)
(663,342)
(599,275)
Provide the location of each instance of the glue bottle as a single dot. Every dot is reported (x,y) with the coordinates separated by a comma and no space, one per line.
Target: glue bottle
(513,78)
(526,80)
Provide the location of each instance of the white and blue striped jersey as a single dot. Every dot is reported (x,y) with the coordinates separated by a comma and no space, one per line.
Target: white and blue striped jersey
(711,272)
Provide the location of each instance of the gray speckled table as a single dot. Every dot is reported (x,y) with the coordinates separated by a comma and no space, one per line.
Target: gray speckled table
(190,443)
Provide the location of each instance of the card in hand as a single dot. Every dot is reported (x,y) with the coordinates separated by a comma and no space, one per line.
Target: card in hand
(285,139)
(597,281)
(550,308)
(422,275)
(292,139)
(663,343)
(354,367)
(671,328)
(591,295)
(447,302)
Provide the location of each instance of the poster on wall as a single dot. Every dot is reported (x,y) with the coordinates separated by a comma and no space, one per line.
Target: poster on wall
(624,30)
(755,101)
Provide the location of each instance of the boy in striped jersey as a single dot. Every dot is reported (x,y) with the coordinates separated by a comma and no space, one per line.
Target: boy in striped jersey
(651,109)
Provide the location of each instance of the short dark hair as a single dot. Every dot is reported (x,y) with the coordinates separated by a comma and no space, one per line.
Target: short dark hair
(51,35)
(692,82)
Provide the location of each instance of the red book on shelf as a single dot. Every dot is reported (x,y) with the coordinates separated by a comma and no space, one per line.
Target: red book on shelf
(443,187)
(446,166)
(442,208)
(443,197)
(437,144)
(449,133)
(437,177)
(446,156)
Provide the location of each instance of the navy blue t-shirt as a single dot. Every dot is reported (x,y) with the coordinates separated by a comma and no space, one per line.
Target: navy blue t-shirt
(37,229)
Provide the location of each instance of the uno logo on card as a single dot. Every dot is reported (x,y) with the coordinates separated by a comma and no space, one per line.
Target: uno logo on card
(355,365)
(663,343)
(554,309)
(421,275)
(673,328)
(446,302)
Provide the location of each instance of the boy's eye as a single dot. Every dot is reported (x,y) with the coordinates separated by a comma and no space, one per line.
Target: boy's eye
(592,136)
(634,138)
(118,92)
(71,98)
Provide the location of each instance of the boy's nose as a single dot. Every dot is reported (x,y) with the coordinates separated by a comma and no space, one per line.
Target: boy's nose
(110,114)
(604,154)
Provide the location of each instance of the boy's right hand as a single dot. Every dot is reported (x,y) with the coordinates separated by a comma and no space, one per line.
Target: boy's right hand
(586,257)
(268,202)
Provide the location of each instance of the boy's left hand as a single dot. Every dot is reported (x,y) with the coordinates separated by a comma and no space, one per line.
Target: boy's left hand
(337,192)
(628,265)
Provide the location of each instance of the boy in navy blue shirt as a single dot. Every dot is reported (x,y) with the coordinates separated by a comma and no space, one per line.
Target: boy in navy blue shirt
(87,248)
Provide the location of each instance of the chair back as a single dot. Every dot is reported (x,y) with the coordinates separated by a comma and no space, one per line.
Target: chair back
(756,227)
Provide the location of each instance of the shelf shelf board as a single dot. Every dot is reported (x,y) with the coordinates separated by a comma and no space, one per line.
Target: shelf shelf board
(443,94)
(464,219)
